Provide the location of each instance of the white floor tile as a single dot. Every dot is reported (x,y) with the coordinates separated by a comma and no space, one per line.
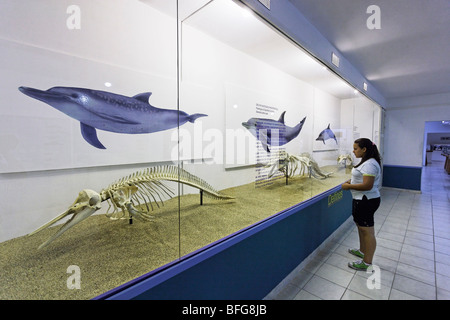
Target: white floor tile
(419,236)
(443,258)
(324,289)
(419,243)
(415,273)
(387,253)
(390,236)
(413,251)
(399,295)
(419,252)
(443,294)
(442,282)
(443,269)
(367,288)
(414,287)
(305,295)
(351,295)
(335,274)
(417,262)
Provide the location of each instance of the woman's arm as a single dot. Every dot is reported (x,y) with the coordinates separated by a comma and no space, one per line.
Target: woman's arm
(366,185)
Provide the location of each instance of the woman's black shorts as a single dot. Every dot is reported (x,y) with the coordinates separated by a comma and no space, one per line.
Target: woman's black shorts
(363,211)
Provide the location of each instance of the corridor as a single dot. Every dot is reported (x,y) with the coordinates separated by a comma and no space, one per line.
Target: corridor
(412,256)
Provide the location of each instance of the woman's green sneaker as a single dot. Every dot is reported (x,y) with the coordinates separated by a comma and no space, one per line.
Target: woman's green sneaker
(359,265)
(357,253)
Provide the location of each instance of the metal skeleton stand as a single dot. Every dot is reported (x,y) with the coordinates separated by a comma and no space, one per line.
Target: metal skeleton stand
(130,219)
(286,170)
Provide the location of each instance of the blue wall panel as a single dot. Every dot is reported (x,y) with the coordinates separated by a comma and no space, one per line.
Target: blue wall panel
(402,177)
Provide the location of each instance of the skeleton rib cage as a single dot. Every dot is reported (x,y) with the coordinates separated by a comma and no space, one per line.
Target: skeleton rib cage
(151,190)
(128,196)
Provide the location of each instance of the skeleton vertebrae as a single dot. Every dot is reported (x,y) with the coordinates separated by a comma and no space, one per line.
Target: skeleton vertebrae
(305,164)
(128,194)
(146,188)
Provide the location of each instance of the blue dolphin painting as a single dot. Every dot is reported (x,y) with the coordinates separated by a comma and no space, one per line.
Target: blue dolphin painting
(326,134)
(266,131)
(108,111)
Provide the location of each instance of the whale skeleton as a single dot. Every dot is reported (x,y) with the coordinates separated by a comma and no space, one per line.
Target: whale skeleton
(131,196)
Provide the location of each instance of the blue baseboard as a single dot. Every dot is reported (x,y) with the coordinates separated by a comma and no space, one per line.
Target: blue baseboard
(249,264)
(402,177)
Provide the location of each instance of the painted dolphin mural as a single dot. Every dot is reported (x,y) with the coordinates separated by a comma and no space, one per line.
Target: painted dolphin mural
(326,134)
(108,111)
(263,129)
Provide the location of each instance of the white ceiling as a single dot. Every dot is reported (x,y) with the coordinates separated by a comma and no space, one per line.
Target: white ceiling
(236,26)
(408,56)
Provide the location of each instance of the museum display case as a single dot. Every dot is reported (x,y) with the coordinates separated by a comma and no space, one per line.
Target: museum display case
(134,135)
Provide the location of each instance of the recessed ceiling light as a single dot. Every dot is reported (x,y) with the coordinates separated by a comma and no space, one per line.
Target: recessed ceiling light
(335,59)
(108,84)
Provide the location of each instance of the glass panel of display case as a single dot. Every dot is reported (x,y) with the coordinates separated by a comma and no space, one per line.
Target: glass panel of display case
(362,119)
(88,102)
(277,130)
(136,133)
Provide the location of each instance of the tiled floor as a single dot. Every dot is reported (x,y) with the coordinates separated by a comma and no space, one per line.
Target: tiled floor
(413,251)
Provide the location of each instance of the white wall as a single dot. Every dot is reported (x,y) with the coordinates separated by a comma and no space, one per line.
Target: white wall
(40,147)
(215,74)
(405,125)
(116,42)
(360,118)
(30,198)
(434,131)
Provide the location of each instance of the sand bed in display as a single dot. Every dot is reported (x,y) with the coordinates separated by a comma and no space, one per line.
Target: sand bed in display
(111,253)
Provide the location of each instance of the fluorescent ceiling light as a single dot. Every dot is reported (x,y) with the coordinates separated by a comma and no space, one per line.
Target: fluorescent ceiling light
(335,59)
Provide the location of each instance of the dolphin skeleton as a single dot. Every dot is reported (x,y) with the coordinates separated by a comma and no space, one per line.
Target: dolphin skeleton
(326,134)
(267,131)
(108,111)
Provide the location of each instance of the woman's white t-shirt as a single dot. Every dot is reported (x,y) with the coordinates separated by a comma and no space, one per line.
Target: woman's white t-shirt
(368,168)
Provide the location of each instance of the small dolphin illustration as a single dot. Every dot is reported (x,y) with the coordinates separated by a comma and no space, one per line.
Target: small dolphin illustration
(326,134)
(109,111)
(264,131)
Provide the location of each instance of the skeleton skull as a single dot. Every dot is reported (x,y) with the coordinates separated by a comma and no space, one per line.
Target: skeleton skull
(87,202)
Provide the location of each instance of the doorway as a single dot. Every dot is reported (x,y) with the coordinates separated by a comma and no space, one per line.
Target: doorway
(436,139)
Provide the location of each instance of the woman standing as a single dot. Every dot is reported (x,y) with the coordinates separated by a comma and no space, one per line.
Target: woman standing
(366,199)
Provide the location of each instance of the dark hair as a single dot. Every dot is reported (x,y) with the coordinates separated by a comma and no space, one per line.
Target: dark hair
(371,150)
